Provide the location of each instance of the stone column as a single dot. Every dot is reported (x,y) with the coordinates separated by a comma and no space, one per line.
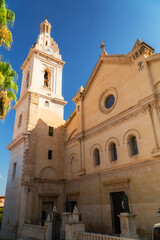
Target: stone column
(156,121)
(128,225)
(155,141)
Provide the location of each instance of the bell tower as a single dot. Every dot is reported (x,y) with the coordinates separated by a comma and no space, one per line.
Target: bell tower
(42,69)
(36,169)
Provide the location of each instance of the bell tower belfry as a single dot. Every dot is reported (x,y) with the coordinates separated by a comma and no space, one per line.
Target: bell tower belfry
(45,31)
(37,149)
(42,69)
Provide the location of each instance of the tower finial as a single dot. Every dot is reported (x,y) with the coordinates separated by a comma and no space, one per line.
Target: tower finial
(103,47)
(46,16)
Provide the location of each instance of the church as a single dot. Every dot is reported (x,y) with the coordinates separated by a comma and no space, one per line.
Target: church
(109,146)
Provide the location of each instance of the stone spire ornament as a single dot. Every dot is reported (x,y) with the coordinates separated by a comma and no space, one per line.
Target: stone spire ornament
(103,47)
(138,41)
(75,210)
(54,209)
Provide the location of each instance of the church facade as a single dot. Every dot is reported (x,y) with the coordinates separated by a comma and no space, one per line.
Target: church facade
(109,146)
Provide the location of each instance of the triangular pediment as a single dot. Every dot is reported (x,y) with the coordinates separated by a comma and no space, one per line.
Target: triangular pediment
(122,59)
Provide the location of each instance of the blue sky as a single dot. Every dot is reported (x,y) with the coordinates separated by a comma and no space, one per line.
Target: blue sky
(78,26)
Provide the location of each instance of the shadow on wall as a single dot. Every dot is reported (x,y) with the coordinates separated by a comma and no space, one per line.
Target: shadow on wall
(44,154)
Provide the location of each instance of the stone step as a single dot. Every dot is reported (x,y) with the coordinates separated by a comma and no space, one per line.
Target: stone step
(27,238)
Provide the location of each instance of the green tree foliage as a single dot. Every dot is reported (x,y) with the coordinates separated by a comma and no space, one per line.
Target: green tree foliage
(1,214)
(8,86)
(7,18)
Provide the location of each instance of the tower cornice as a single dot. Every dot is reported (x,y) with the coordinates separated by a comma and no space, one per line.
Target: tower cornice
(34,51)
(55,99)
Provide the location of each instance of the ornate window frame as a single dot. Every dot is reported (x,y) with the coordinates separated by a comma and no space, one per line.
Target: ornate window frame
(47,81)
(104,96)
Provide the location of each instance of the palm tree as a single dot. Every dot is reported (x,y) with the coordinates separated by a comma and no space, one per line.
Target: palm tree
(7,18)
(8,87)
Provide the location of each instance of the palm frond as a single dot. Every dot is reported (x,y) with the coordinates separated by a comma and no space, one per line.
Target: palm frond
(10,17)
(8,77)
(3,13)
(1,79)
(11,96)
(7,18)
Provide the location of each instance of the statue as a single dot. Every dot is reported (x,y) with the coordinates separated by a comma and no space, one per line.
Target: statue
(67,205)
(103,46)
(124,203)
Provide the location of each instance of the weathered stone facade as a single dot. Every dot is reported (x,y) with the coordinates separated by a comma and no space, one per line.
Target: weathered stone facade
(109,145)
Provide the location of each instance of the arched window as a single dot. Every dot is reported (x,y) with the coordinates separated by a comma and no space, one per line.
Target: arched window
(46,79)
(46,43)
(27,80)
(113,151)
(73,161)
(133,145)
(73,164)
(46,104)
(96,155)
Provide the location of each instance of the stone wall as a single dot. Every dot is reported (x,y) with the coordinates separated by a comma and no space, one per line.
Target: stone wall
(32,231)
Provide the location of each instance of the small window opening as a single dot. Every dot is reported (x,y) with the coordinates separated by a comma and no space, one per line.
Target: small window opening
(51,130)
(73,159)
(113,150)
(46,104)
(133,146)
(96,157)
(20,120)
(14,170)
(27,80)
(46,43)
(49,154)
(43,28)
(46,75)
(47,29)
(46,79)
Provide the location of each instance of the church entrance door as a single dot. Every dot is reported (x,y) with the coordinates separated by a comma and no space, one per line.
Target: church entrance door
(47,208)
(116,198)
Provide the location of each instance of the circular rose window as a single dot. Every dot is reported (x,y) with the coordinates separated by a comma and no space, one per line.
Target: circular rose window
(109,101)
